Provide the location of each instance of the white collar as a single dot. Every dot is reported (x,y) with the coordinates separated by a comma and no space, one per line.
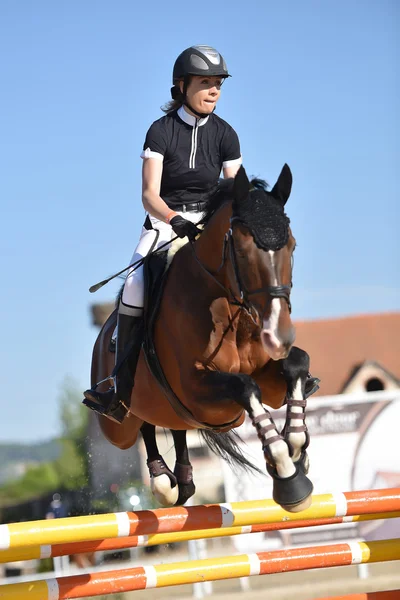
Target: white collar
(190,119)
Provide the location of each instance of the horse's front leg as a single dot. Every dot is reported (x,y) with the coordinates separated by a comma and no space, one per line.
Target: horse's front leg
(291,488)
(300,385)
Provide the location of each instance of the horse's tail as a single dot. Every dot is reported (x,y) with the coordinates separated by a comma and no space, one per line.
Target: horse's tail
(226,446)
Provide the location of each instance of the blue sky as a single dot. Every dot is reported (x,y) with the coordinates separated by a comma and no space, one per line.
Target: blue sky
(315,84)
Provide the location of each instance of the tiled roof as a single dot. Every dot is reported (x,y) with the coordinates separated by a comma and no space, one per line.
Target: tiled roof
(337,346)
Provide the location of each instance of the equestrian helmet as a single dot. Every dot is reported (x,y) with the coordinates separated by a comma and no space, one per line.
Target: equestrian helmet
(199,60)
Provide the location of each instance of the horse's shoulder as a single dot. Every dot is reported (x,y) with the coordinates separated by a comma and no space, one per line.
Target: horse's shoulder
(221,353)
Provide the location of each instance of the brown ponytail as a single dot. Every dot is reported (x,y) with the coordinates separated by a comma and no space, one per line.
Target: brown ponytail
(177,99)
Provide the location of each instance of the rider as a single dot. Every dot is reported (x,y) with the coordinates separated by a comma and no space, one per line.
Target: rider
(183,155)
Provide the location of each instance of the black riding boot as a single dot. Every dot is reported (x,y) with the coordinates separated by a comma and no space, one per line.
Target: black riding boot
(115,402)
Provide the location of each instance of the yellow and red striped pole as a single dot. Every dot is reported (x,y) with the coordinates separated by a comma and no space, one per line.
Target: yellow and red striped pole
(212,516)
(51,551)
(388,595)
(245,565)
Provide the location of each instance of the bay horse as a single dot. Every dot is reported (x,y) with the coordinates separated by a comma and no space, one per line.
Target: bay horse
(224,339)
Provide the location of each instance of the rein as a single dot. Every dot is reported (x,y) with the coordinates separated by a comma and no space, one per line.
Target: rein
(243,302)
(135,265)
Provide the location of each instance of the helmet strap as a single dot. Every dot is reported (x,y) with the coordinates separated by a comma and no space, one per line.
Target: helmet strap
(175,92)
(198,114)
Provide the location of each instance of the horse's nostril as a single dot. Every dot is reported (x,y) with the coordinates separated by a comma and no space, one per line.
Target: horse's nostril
(276,346)
(272,345)
(269,340)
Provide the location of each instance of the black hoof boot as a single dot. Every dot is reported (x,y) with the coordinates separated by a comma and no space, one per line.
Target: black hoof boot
(105,404)
(184,476)
(311,386)
(292,493)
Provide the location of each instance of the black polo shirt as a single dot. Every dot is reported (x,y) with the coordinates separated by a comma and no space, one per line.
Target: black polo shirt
(193,152)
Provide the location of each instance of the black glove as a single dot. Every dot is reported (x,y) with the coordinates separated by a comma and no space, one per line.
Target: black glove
(184,228)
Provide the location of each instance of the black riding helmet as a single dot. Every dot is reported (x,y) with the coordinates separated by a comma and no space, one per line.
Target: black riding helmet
(196,60)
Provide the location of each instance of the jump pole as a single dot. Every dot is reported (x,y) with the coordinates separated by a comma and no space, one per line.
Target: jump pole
(388,595)
(180,573)
(176,519)
(135,541)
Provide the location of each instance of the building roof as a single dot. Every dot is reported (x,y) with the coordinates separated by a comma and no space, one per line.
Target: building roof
(337,346)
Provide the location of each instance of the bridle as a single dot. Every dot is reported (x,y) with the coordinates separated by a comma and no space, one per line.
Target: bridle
(242,300)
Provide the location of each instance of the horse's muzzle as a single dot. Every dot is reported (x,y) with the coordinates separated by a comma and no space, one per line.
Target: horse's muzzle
(276,345)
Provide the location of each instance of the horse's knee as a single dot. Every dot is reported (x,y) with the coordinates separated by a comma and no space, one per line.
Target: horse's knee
(296,365)
(246,391)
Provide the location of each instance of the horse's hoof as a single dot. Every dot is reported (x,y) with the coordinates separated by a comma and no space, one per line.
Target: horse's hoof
(163,483)
(184,476)
(186,491)
(295,508)
(292,493)
(163,492)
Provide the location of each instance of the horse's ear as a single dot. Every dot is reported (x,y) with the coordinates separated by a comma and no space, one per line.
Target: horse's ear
(241,185)
(282,188)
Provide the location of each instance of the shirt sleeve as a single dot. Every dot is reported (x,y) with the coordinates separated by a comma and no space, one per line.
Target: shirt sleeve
(231,149)
(155,144)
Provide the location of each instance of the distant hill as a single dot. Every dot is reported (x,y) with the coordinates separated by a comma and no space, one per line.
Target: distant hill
(14,456)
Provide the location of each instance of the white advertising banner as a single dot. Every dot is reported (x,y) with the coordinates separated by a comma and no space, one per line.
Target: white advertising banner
(355,445)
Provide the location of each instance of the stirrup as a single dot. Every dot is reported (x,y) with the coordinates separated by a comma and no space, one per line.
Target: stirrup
(110,378)
(106,403)
(116,412)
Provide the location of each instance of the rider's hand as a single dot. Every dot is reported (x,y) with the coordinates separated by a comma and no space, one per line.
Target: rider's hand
(184,228)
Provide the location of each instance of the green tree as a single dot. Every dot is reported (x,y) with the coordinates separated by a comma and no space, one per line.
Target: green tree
(74,421)
(70,469)
(36,481)
(73,414)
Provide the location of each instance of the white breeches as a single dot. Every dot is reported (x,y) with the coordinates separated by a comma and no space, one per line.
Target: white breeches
(133,294)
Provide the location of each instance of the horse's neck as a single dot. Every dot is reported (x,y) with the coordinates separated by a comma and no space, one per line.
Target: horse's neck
(210,244)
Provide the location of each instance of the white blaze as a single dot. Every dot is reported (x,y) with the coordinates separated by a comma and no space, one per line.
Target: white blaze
(272,257)
(271,324)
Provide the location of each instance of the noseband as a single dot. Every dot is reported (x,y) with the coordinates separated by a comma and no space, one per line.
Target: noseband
(244,302)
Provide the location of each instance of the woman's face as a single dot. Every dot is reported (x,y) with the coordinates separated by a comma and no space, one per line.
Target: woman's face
(203,93)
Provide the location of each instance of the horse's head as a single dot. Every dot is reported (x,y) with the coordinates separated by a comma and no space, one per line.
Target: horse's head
(262,246)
